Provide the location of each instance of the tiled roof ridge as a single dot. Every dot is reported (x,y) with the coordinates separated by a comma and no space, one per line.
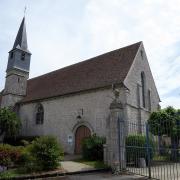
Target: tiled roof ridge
(85,61)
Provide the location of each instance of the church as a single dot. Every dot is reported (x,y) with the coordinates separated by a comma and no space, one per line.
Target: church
(73,102)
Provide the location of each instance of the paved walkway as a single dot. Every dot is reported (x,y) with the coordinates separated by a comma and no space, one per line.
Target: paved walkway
(70,166)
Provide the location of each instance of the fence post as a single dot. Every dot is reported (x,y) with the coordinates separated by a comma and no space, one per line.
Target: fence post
(115,139)
(148,150)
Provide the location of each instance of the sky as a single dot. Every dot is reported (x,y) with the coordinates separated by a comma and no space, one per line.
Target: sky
(62,33)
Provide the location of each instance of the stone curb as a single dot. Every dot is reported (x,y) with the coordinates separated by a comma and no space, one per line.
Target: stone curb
(56,174)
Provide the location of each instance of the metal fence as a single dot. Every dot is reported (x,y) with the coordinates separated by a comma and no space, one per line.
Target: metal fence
(153,151)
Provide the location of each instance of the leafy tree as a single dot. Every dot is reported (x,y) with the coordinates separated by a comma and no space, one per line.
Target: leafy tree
(167,122)
(9,123)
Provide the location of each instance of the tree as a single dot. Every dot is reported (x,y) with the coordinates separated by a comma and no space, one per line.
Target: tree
(167,122)
(9,123)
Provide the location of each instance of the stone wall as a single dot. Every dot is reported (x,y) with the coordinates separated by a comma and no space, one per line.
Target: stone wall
(10,100)
(135,109)
(60,115)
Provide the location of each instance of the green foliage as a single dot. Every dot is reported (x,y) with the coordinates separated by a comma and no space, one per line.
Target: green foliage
(9,154)
(92,147)
(136,147)
(9,122)
(12,173)
(7,175)
(45,153)
(165,122)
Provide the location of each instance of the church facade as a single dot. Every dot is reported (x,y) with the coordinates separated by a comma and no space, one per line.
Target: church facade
(73,102)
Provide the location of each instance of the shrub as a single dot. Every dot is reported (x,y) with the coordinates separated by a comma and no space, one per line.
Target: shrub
(27,161)
(136,147)
(9,154)
(10,123)
(92,147)
(45,153)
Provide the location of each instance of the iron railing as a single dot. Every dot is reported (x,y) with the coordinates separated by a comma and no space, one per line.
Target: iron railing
(153,151)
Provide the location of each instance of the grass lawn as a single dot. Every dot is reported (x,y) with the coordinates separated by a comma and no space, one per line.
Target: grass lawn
(11,173)
(95,164)
(22,172)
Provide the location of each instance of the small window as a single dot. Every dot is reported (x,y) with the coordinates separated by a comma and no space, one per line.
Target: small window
(39,114)
(23,56)
(11,55)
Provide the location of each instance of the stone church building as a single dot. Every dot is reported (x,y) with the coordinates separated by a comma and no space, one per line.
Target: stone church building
(73,102)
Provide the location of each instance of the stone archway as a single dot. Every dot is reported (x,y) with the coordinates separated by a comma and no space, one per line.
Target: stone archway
(81,133)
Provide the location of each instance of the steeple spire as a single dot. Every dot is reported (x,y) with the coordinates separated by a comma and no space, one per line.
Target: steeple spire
(21,38)
(17,72)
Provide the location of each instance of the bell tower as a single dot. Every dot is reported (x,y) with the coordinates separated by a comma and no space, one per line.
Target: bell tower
(17,71)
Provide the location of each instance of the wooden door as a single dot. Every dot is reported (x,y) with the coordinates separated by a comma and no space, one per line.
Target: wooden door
(81,133)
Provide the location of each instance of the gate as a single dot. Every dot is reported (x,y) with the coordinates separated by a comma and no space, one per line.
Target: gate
(151,153)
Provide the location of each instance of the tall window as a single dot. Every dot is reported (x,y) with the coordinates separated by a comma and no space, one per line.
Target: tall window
(39,114)
(143,83)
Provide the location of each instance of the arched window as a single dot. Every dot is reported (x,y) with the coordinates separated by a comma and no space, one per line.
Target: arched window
(39,114)
(143,83)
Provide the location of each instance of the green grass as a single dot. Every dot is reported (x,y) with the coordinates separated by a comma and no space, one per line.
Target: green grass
(95,164)
(10,173)
(161,158)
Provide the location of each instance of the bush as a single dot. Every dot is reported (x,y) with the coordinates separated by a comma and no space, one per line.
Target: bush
(92,148)
(26,161)
(10,123)
(136,147)
(45,153)
(9,154)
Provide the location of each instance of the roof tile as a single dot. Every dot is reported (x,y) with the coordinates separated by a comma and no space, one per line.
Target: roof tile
(96,72)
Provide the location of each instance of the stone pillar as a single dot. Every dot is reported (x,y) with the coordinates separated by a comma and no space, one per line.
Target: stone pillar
(115,147)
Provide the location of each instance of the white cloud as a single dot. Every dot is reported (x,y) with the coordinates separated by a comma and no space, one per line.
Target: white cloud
(154,22)
(65,32)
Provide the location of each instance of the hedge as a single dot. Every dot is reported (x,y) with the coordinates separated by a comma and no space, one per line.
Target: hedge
(136,147)
(92,147)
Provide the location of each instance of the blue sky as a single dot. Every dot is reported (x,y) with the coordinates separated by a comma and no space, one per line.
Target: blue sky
(61,33)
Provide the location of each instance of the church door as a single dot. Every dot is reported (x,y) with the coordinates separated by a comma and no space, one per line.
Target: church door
(81,133)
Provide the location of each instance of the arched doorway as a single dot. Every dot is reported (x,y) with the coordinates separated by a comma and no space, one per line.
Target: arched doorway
(81,133)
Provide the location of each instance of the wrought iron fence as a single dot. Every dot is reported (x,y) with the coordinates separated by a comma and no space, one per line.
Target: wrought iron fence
(153,150)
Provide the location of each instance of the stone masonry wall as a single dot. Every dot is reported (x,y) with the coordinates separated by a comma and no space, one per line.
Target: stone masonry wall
(60,116)
(132,81)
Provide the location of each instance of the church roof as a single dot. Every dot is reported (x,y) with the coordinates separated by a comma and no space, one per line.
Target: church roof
(97,72)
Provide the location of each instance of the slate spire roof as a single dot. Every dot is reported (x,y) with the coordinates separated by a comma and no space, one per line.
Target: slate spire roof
(21,38)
